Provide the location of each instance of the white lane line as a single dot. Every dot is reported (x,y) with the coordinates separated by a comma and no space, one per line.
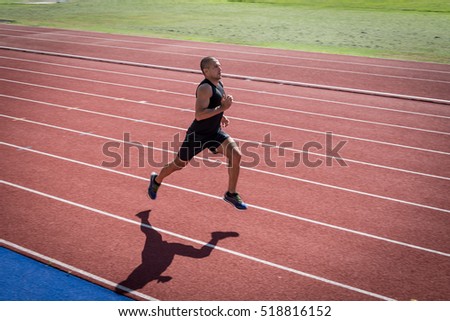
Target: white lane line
(342,103)
(236,102)
(235,253)
(245,120)
(264,209)
(238,139)
(199,55)
(247,52)
(349,160)
(344,189)
(259,144)
(340,135)
(344,118)
(236,76)
(67,267)
(345,104)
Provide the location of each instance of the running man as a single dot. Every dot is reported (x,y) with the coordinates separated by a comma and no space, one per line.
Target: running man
(206,132)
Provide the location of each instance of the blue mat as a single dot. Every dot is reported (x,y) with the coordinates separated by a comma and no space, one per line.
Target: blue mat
(24,279)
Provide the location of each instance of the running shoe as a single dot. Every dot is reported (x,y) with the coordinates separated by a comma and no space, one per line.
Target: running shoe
(235,200)
(153,187)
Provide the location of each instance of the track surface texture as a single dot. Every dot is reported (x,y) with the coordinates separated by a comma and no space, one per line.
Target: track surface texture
(346,170)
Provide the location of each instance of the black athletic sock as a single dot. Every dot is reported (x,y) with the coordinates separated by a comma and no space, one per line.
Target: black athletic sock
(231,194)
(157,184)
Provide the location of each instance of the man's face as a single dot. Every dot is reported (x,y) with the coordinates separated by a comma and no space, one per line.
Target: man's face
(214,70)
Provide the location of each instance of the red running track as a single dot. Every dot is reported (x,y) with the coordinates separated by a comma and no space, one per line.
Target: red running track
(388,76)
(376,229)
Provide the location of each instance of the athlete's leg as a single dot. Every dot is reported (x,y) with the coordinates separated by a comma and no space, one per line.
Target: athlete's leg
(231,150)
(188,150)
(156,180)
(178,163)
(168,169)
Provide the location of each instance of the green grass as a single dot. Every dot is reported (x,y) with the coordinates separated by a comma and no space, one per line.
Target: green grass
(387,5)
(412,30)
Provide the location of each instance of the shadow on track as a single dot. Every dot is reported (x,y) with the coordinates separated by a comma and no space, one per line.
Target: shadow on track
(158,254)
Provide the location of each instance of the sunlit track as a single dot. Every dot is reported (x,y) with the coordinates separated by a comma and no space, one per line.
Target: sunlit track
(237,101)
(254,169)
(253,121)
(140,102)
(83,129)
(189,190)
(241,52)
(85,133)
(248,257)
(233,59)
(240,76)
(337,102)
(237,138)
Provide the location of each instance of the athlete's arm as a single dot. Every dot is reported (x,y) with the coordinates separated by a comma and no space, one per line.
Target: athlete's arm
(204,94)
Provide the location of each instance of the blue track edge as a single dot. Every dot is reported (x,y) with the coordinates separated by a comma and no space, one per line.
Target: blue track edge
(25,279)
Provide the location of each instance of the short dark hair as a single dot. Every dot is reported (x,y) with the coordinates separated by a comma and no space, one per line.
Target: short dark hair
(205,62)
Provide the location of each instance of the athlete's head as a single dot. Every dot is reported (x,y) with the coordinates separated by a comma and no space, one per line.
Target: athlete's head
(211,68)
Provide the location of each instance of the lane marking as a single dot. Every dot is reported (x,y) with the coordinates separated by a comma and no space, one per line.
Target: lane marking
(235,253)
(243,119)
(236,102)
(249,78)
(259,144)
(340,135)
(230,59)
(344,189)
(345,118)
(233,88)
(264,209)
(67,267)
(246,52)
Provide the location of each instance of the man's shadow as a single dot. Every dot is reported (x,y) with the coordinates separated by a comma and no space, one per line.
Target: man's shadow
(157,256)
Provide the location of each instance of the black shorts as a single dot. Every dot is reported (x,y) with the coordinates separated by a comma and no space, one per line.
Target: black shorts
(195,143)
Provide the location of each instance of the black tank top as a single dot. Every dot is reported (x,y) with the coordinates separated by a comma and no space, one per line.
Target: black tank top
(211,125)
